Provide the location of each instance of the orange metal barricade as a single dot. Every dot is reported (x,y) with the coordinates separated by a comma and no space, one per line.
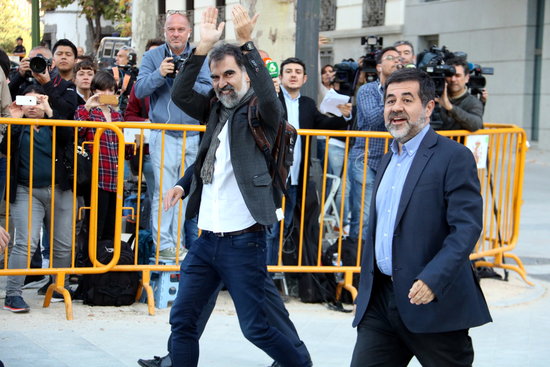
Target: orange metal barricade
(60,273)
(501,187)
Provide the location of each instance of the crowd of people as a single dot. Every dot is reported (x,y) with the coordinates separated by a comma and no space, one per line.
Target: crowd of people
(228,193)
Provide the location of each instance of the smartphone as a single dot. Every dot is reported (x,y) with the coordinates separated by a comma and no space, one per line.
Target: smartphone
(25,100)
(109,99)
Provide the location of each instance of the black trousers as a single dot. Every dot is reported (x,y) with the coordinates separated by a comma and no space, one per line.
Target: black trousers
(383,339)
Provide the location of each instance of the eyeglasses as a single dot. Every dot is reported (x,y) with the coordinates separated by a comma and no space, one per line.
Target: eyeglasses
(390,58)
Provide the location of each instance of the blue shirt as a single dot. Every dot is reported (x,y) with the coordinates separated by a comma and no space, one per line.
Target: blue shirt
(388,197)
(150,83)
(370,117)
(293,117)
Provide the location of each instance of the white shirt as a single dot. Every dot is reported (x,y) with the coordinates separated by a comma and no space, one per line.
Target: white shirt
(222,206)
(293,117)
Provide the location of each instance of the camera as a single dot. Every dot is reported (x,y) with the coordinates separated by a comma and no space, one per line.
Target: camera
(178,62)
(373,46)
(344,75)
(39,63)
(477,81)
(347,71)
(433,62)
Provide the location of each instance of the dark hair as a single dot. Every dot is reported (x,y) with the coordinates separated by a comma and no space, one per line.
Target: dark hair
(65,42)
(460,61)
(5,63)
(103,80)
(219,53)
(380,54)
(426,86)
(403,42)
(87,63)
(153,42)
(293,60)
(19,38)
(325,68)
(34,88)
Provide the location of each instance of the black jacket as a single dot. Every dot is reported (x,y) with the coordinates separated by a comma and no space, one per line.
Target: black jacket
(311,118)
(62,93)
(249,164)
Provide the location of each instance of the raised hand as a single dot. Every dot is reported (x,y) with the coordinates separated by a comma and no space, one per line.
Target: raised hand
(243,24)
(210,33)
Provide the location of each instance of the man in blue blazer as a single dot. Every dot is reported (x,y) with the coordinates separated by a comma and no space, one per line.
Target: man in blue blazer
(418,295)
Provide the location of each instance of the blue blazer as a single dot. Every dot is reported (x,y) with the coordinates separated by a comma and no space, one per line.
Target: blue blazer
(439,221)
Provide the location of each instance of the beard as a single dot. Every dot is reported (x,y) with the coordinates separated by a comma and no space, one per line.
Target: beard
(232,98)
(408,130)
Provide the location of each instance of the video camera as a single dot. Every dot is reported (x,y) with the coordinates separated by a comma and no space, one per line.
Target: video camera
(346,72)
(477,81)
(373,46)
(433,62)
(344,75)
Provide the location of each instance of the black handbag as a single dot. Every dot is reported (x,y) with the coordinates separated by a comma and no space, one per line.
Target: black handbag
(84,164)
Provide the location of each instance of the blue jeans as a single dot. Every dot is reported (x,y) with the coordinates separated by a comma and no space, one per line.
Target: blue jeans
(356,186)
(273,233)
(172,151)
(239,262)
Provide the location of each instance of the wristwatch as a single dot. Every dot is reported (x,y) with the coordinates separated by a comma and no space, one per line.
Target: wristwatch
(248,46)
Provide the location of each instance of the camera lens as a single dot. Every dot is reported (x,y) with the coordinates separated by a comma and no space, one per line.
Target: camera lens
(38,64)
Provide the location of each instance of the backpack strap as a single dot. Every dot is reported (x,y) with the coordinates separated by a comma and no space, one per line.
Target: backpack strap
(261,140)
(125,83)
(116,74)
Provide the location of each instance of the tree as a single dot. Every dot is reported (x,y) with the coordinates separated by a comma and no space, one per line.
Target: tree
(14,22)
(94,11)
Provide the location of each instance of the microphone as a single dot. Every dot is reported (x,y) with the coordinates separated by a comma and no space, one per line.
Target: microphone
(272,67)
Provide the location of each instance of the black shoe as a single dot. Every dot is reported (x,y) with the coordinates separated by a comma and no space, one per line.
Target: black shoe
(42,291)
(16,304)
(157,361)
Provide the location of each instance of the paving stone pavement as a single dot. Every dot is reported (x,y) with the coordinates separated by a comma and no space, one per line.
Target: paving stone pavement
(109,336)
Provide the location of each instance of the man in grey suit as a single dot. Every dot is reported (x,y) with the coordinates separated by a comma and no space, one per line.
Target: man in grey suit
(231,192)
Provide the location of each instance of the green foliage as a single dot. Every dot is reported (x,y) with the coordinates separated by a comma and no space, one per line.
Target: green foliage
(109,9)
(93,10)
(14,23)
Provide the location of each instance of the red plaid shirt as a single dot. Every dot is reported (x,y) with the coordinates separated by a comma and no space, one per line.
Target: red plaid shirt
(108,145)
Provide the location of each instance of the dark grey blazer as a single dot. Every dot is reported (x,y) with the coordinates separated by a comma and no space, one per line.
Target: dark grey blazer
(248,162)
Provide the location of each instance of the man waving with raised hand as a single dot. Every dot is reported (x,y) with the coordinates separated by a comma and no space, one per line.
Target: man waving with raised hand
(231,192)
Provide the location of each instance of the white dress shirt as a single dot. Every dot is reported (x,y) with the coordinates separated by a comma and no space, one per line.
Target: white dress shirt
(222,206)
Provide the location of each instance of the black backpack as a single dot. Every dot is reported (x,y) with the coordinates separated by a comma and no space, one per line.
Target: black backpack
(114,288)
(279,157)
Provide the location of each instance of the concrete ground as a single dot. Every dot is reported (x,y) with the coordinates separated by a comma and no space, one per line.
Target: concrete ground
(109,336)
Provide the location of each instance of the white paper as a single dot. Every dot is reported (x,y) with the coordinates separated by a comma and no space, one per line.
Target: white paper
(331,100)
(130,135)
(479,144)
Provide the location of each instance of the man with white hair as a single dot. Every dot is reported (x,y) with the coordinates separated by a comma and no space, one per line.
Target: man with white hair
(155,80)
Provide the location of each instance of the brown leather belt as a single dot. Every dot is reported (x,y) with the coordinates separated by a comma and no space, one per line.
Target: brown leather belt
(256,227)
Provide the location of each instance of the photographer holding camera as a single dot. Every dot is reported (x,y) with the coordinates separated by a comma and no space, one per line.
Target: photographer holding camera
(41,69)
(155,80)
(459,109)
